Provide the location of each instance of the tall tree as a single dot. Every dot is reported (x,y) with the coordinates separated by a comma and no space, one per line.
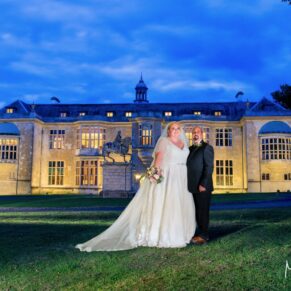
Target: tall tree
(283,96)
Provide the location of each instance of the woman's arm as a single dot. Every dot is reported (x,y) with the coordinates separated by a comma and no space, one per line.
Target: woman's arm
(158,160)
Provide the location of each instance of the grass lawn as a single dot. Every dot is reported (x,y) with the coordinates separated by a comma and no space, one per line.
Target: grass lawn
(92,200)
(248,251)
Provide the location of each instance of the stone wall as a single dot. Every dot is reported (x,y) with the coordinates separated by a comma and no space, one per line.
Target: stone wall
(15,176)
(117,179)
(30,173)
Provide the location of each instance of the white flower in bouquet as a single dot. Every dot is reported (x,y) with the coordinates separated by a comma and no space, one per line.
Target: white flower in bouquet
(154,175)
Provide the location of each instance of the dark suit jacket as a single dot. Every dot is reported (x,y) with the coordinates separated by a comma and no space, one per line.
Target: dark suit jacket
(200,167)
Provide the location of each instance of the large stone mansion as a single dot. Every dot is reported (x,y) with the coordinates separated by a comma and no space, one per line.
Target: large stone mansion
(57,148)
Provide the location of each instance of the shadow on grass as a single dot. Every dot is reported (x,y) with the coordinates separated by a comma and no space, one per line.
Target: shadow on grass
(22,242)
(63,216)
(252,215)
(217,232)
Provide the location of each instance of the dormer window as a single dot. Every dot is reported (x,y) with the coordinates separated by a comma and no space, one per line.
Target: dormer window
(10,110)
(168,113)
(109,114)
(63,114)
(82,113)
(128,114)
(217,113)
(197,112)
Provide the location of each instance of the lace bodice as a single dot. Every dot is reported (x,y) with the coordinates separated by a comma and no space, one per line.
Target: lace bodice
(172,154)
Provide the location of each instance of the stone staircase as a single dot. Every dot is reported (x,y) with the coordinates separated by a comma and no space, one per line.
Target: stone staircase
(146,160)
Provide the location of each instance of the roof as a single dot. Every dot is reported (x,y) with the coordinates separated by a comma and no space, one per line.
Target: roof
(7,128)
(266,107)
(141,84)
(230,111)
(180,111)
(275,127)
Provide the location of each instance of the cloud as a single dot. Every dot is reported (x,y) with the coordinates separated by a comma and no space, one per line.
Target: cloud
(8,40)
(172,29)
(6,85)
(31,98)
(70,13)
(56,11)
(30,68)
(199,85)
(96,50)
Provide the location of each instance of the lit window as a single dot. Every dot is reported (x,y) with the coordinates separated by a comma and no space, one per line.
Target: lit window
(128,114)
(10,110)
(109,114)
(56,173)
(56,139)
(168,113)
(92,137)
(276,148)
(145,135)
(89,173)
(63,114)
(224,173)
(197,112)
(82,113)
(265,176)
(217,113)
(8,149)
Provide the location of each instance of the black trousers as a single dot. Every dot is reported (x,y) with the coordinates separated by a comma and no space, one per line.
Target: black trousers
(202,205)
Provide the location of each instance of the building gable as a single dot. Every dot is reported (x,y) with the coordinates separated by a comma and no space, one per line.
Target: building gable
(266,107)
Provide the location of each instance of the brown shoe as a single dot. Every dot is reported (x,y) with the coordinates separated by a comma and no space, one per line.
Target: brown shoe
(194,239)
(198,240)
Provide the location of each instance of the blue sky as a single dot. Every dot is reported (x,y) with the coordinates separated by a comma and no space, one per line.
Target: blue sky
(93,51)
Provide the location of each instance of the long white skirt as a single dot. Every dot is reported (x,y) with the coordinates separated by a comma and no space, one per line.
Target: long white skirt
(160,215)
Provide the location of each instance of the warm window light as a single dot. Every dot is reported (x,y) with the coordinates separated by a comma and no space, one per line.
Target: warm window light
(168,113)
(197,112)
(109,114)
(9,110)
(217,113)
(82,113)
(128,114)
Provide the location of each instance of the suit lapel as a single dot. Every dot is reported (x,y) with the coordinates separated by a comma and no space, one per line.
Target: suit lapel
(195,149)
(192,151)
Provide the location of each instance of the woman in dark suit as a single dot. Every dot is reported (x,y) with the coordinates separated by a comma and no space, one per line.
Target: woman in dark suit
(199,173)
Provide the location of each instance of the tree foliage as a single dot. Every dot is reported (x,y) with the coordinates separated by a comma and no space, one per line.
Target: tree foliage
(288,1)
(283,96)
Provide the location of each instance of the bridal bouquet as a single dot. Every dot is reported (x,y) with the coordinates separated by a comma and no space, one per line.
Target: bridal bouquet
(154,175)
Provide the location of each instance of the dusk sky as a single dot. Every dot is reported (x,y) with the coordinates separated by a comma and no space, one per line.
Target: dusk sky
(94,51)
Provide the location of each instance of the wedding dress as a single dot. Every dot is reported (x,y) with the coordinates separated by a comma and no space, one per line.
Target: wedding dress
(160,215)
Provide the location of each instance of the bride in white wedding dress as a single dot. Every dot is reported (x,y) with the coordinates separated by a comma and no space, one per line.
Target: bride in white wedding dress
(160,215)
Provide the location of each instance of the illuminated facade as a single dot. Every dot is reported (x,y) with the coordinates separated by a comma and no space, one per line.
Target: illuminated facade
(57,148)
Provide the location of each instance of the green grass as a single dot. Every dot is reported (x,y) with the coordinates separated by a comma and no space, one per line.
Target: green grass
(248,251)
(91,200)
(60,201)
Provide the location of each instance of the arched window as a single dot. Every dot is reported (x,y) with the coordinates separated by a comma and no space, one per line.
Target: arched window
(275,140)
(9,141)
